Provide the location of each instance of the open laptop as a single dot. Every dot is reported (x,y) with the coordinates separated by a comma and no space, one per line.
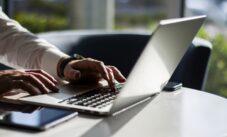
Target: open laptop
(149,75)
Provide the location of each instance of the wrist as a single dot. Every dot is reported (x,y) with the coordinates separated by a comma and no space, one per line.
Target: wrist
(59,71)
(63,63)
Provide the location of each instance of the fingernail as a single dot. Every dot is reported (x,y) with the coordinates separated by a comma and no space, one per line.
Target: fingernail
(56,89)
(122,77)
(47,91)
(122,80)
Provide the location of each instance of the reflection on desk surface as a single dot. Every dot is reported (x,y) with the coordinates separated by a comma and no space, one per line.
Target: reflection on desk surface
(110,125)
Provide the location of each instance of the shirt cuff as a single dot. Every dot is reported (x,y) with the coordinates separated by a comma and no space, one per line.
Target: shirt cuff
(50,60)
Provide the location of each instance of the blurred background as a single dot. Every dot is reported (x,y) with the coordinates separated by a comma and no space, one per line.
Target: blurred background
(136,15)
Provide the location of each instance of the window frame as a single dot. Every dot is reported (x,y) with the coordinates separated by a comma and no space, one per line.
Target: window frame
(5,6)
(182,8)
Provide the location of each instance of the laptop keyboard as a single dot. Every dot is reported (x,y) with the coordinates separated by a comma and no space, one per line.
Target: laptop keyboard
(97,98)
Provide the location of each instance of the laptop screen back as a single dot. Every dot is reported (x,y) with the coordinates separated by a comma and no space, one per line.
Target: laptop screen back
(160,58)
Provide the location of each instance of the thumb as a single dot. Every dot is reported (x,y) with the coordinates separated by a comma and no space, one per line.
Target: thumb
(72,74)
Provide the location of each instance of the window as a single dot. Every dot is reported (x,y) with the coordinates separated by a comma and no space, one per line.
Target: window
(214,30)
(40,15)
(144,14)
(51,15)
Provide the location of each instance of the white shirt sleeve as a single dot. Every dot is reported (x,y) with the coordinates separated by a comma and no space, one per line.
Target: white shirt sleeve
(19,48)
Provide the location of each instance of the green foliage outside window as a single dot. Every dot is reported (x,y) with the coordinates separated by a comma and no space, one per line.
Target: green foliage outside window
(40,23)
(217,78)
(41,15)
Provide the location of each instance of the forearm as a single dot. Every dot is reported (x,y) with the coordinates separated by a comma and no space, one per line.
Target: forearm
(21,49)
(50,61)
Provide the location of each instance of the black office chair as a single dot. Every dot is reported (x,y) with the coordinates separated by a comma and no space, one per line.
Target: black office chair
(192,70)
(122,49)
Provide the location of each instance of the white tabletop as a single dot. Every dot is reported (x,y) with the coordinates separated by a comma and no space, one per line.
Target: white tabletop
(184,113)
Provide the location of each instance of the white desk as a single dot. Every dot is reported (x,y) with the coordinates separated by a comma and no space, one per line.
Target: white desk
(184,113)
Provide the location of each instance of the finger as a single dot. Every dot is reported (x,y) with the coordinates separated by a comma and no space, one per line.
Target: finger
(111,82)
(71,74)
(117,74)
(106,73)
(18,84)
(101,68)
(92,65)
(49,84)
(44,74)
(33,81)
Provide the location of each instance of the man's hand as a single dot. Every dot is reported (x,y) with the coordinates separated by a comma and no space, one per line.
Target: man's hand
(91,70)
(33,81)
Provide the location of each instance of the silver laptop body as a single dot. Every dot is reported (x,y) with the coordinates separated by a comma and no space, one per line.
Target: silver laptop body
(149,75)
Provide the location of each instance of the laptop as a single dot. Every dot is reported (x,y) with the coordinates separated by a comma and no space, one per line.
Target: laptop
(151,72)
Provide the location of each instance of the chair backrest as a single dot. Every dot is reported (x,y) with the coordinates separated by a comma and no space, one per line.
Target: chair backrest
(123,49)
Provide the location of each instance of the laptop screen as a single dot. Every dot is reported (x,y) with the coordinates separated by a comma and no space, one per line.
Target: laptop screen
(161,56)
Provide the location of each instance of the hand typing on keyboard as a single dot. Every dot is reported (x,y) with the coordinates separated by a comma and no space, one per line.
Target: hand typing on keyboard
(91,70)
